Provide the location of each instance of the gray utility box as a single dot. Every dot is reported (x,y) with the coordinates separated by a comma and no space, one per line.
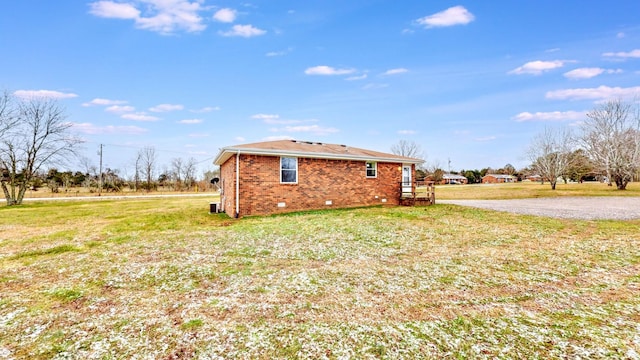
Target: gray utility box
(214,207)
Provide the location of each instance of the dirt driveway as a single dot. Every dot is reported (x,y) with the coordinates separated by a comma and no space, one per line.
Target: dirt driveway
(586,208)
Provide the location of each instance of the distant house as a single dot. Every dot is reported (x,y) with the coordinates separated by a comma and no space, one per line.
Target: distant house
(449,179)
(453,179)
(498,178)
(537,178)
(289,175)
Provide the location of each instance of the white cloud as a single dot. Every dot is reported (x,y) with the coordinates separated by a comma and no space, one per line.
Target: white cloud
(88,128)
(279,53)
(239,139)
(599,93)
(486,138)
(166,108)
(623,55)
(314,129)
(549,116)
(587,73)
(162,16)
(275,53)
(538,67)
(113,10)
(118,109)
(373,86)
(327,70)
(265,116)
(48,94)
(358,77)
(289,122)
(620,35)
(206,109)
(243,31)
(583,73)
(139,117)
(103,102)
(456,15)
(190,121)
(407,132)
(395,71)
(225,15)
(273,119)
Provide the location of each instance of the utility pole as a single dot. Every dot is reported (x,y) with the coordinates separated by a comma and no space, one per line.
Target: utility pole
(100,178)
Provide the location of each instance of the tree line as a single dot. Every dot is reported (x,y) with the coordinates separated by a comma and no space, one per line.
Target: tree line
(606,143)
(35,138)
(605,146)
(34,134)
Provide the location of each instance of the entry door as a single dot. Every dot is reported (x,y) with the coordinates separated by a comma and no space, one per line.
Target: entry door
(406,179)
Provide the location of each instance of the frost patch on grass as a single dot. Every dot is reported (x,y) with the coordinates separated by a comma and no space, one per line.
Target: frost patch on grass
(436,282)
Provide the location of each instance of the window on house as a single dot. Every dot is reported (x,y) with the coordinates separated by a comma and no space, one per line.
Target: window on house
(372,169)
(288,170)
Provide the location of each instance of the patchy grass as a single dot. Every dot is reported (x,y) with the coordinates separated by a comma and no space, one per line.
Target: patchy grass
(54,250)
(529,189)
(164,279)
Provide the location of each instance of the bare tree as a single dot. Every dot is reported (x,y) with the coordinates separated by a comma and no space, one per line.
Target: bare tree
(611,138)
(183,172)
(408,149)
(8,113)
(177,169)
(190,172)
(148,161)
(434,171)
(550,154)
(90,171)
(138,169)
(39,135)
(509,169)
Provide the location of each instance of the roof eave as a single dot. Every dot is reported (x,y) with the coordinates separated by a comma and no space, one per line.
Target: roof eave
(226,153)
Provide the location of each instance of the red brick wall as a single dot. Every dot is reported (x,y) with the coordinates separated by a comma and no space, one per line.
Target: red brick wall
(343,182)
(491,180)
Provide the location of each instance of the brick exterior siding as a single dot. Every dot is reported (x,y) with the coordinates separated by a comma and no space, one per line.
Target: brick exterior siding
(343,182)
(490,179)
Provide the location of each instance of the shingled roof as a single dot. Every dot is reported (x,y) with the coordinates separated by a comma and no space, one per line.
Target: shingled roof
(309,149)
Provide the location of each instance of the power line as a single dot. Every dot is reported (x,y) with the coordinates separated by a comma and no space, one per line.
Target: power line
(162,150)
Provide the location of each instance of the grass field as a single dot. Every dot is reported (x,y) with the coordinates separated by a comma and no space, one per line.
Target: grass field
(523,190)
(162,278)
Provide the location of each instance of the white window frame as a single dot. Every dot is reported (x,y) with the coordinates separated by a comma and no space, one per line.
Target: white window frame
(375,169)
(281,170)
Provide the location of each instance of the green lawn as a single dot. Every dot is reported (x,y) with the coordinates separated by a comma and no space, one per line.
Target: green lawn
(529,189)
(162,278)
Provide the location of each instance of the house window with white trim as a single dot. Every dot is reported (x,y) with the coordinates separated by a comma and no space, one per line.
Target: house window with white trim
(288,170)
(372,169)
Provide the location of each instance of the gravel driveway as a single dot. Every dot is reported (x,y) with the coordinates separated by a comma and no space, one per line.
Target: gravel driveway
(586,208)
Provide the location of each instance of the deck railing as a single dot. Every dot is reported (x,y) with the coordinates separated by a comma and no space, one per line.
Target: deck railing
(423,193)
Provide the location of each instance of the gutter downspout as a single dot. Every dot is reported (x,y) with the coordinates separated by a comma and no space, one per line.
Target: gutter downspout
(237,184)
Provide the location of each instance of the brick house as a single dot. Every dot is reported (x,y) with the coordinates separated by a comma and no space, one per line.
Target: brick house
(453,179)
(289,175)
(498,178)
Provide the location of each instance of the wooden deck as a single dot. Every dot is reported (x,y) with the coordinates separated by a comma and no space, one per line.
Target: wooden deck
(424,194)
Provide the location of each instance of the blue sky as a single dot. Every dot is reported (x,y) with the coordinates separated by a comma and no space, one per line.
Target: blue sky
(471,82)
